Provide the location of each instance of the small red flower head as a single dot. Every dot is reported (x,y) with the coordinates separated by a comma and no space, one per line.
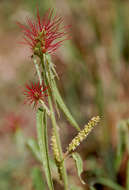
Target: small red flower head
(46,34)
(13,122)
(34,93)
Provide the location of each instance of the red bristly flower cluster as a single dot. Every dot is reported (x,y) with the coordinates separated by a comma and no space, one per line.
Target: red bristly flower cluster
(34,93)
(45,35)
(12,123)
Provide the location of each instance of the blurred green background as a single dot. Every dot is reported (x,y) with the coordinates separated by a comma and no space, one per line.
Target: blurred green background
(94,79)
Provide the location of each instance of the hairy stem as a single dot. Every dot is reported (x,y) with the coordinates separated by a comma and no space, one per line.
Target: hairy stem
(52,115)
(40,80)
(54,124)
(63,172)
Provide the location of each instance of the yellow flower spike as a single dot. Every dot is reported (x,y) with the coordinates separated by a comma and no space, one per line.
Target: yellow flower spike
(83,134)
(56,155)
(55,148)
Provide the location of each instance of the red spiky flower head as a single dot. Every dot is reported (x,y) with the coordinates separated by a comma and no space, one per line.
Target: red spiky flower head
(45,35)
(34,93)
(12,123)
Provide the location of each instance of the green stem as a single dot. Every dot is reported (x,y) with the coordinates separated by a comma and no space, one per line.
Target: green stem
(45,107)
(37,70)
(52,115)
(54,124)
(64,174)
(40,80)
(42,136)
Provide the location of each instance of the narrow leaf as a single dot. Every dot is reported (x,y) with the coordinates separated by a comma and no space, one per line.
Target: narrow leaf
(63,106)
(34,147)
(109,183)
(37,179)
(57,96)
(121,145)
(79,164)
(43,145)
(92,188)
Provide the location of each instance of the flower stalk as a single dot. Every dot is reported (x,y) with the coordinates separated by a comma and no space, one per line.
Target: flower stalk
(46,77)
(44,36)
(37,70)
(55,127)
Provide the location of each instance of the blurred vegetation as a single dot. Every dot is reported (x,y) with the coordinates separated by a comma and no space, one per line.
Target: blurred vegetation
(93,69)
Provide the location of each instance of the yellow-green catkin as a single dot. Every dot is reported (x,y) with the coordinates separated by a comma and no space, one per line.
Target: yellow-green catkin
(83,134)
(56,155)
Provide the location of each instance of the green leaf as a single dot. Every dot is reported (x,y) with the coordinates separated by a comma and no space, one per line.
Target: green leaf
(38,182)
(34,148)
(56,95)
(43,145)
(63,106)
(92,188)
(109,183)
(79,164)
(122,144)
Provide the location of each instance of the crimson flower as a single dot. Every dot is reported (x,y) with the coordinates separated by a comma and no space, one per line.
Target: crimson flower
(34,93)
(45,35)
(13,122)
